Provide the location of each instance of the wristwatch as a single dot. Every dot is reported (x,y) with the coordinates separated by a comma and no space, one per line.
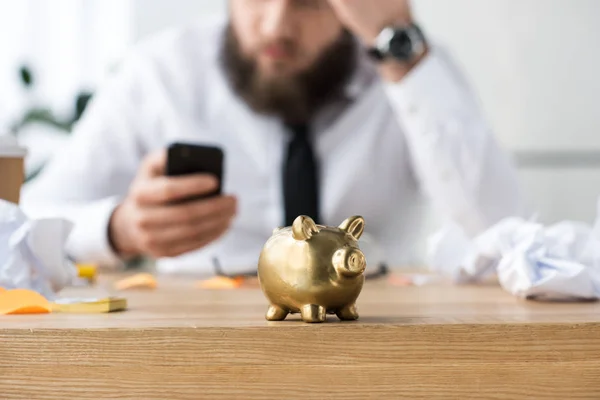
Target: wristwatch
(402,43)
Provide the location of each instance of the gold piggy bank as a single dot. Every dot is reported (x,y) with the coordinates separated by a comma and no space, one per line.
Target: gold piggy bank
(313,270)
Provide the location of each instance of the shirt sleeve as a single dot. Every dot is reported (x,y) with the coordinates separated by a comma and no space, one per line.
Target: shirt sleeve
(88,177)
(459,165)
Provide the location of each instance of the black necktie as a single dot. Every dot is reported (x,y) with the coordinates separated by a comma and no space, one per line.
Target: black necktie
(300,177)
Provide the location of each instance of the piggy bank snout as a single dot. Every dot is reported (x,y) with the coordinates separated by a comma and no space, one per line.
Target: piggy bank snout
(349,262)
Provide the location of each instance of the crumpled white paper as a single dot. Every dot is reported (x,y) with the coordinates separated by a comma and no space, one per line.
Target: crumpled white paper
(560,262)
(32,254)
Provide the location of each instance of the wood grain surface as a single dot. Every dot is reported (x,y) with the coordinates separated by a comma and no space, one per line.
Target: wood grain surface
(180,342)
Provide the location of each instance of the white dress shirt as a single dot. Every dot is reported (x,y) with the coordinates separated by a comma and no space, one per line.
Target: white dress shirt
(383,155)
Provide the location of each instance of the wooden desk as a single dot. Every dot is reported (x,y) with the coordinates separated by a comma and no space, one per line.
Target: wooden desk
(179,342)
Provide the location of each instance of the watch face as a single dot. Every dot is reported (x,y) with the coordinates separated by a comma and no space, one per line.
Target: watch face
(401,45)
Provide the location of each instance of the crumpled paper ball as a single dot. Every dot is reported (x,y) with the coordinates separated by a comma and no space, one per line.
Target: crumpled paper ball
(32,252)
(560,262)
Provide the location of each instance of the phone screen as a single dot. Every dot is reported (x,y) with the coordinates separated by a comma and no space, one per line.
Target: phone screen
(189,158)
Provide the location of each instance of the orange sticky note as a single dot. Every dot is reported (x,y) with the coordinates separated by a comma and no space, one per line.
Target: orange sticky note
(400,280)
(23,301)
(221,282)
(139,281)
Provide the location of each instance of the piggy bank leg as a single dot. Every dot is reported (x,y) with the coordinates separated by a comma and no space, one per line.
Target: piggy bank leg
(348,313)
(276,313)
(313,313)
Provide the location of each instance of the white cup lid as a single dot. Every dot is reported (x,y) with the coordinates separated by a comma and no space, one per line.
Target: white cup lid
(9,147)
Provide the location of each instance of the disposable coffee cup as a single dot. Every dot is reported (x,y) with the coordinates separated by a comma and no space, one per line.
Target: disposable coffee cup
(12,169)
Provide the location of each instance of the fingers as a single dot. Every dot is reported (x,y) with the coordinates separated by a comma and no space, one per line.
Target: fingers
(154,164)
(153,187)
(156,223)
(186,213)
(177,240)
(176,234)
(164,190)
(171,230)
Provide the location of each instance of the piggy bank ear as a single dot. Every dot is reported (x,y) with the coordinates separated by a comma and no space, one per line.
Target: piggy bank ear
(354,226)
(304,228)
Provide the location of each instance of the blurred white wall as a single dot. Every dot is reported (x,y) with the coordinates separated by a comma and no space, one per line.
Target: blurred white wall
(153,15)
(536,66)
(534,62)
(68,45)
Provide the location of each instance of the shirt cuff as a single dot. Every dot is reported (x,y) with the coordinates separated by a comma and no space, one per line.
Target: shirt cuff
(88,242)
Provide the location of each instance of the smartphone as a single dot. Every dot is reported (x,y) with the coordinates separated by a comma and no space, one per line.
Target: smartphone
(188,158)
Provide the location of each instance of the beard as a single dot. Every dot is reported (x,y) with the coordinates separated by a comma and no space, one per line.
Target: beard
(293,98)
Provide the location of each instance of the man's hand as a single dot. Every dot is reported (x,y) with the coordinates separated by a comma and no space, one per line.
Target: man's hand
(367,18)
(151,222)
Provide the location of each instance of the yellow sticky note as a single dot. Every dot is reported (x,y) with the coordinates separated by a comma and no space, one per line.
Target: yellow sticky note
(89,306)
(87,271)
(400,280)
(23,301)
(139,281)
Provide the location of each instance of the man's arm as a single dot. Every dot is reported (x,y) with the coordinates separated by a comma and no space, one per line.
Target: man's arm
(454,154)
(87,179)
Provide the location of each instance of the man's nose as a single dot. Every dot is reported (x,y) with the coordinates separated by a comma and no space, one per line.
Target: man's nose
(278,20)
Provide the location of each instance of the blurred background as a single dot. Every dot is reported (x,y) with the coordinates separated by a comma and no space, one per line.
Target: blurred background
(534,63)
